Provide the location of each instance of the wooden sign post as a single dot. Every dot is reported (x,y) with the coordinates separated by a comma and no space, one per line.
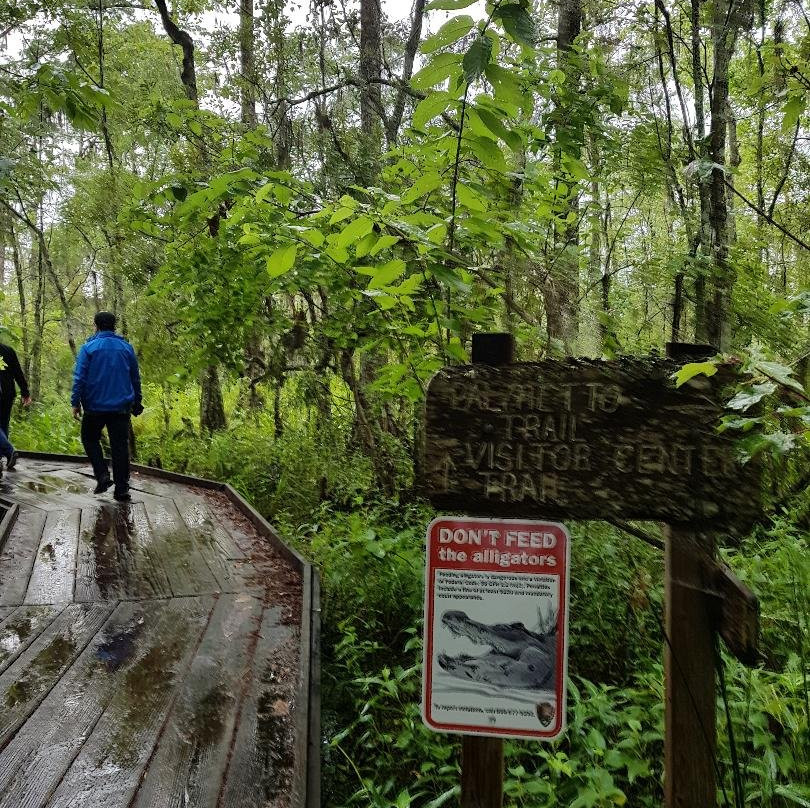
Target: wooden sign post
(481,757)
(584,439)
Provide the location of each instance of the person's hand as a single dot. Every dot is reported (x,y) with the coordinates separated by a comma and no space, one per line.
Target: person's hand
(137,409)
(27,401)
(77,413)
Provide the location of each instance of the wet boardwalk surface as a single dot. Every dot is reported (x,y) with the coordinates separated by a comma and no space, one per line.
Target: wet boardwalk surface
(148,650)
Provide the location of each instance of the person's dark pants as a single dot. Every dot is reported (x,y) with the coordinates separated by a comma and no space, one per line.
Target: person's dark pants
(6,406)
(117,424)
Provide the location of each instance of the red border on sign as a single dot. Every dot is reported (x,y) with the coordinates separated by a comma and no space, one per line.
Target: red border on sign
(562,553)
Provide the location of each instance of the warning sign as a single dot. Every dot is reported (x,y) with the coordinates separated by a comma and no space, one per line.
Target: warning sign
(496,627)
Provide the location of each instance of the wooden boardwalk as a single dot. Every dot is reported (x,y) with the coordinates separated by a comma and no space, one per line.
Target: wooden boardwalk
(149,651)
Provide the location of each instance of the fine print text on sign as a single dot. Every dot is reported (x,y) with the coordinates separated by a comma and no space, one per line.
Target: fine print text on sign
(583,439)
(496,627)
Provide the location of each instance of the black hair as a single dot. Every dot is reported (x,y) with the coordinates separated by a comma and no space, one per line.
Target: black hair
(105,321)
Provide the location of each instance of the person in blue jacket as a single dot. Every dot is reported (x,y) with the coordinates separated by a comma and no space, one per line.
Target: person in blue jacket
(107,390)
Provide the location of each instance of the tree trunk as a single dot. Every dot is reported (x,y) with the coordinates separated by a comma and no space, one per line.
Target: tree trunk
(188,72)
(371,109)
(704,234)
(247,78)
(38,273)
(212,409)
(562,282)
(411,46)
(726,24)
(18,272)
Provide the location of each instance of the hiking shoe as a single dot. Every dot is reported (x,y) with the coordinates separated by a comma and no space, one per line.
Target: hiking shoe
(12,461)
(103,485)
(122,496)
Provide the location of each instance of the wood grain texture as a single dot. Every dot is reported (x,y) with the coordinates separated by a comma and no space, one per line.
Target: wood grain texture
(583,439)
(191,757)
(54,571)
(123,666)
(176,550)
(259,754)
(18,555)
(481,772)
(120,656)
(690,739)
(111,763)
(215,546)
(19,629)
(27,682)
(114,558)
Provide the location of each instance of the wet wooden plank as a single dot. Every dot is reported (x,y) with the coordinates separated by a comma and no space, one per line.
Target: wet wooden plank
(198,515)
(114,560)
(18,555)
(125,660)
(215,545)
(5,611)
(261,760)
(54,571)
(177,551)
(25,496)
(27,682)
(191,757)
(20,629)
(97,567)
(154,486)
(110,765)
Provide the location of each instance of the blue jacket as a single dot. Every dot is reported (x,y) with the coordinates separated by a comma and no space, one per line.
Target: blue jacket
(106,377)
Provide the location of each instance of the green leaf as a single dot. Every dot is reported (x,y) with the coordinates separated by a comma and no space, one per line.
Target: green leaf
(437,233)
(340,214)
(504,85)
(354,231)
(383,243)
(265,191)
(365,244)
(338,254)
(779,373)
(424,185)
(429,108)
(456,350)
(488,153)
(314,237)
(385,274)
(748,397)
(469,198)
(437,70)
(448,5)
(477,58)
(453,30)
(793,111)
(382,299)
(281,260)
(496,126)
(780,443)
(693,369)
(575,167)
(517,23)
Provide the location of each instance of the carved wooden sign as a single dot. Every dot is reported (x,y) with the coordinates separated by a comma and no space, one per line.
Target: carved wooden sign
(583,439)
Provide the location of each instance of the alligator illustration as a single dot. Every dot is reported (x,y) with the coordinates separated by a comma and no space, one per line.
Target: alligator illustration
(519,658)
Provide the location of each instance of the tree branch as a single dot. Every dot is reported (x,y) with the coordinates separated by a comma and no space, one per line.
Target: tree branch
(768,218)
